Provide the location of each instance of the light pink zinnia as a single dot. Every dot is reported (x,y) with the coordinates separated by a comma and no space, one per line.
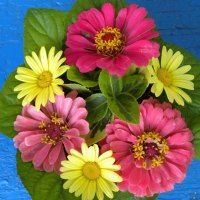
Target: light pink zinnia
(155,154)
(98,39)
(45,137)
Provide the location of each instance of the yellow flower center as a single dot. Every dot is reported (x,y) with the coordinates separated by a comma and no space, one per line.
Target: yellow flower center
(164,76)
(91,170)
(54,130)
(109,41)
(44,79)
(150,148)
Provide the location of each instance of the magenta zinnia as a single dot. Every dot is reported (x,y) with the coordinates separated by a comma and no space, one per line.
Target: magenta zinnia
(98,39)
(155,154)
(45,137)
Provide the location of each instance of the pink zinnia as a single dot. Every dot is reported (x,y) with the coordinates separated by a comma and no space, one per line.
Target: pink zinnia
(155,154)
(45,137)
(98,39)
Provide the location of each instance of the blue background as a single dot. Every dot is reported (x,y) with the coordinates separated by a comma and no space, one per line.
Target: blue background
(178,22)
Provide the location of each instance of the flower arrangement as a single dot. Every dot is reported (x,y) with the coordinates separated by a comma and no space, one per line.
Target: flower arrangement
(102,108)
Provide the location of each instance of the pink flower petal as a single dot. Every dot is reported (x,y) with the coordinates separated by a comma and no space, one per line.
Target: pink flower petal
(108,12)
(41,155)
(33,139)
(82,126)
(80,113)
(55,151)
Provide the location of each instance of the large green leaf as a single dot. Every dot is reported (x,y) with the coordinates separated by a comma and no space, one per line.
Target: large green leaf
(135,85)
(41,185)
(79,88)
(44,27)
(125,106)
(97,108)
(10,106)
(111,86)
(86,79)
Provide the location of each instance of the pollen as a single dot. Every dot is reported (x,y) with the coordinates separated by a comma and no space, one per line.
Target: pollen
(44,79)
(151,149)
(109,42)
(165,77)
(54,130)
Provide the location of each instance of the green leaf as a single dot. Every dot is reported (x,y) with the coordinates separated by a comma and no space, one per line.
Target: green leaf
(42,185)
(79,88)
(10,106)
(147,198)
(97,108)
(44,27)
(86,79)
(111,86)
(135,85)
(125,106)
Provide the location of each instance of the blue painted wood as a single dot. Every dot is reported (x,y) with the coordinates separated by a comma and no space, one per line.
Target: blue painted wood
(178,22)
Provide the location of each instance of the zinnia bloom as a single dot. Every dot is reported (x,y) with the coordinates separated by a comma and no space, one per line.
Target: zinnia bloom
(98,39)
(46,136)
(89,174)
(41,81)
(155,154)
(169,76)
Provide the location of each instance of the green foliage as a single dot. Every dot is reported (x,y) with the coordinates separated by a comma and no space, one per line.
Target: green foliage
(122,103)
(97,108)
(10,106)
(125,107)
(85,79)
(44,27)
(135,85)
(79,88)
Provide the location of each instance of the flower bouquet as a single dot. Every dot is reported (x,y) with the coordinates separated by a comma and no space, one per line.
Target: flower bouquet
(102,108)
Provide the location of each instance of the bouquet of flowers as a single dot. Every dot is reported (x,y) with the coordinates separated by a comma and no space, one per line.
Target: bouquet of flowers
(102,108)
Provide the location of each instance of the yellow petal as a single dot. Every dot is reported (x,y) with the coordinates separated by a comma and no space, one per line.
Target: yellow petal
(176,97)
(23,86)
(77,154)
(182,93)
(91,190)
(100,194)
(156,64)
(91,154)
(58,81)
(84,149)
(71,174)
(57,90)
(68,183)
(107,161)
(77,184)
(51,56)
(174,61)
(113,187)
(110,175)
(38,61)
(166,56)
(43,58)
(51,94)
(182,70)
(96,148)
(183,77)
(25,78)
(26,71)
(105,187)
(159,89)
(61,70)
(53,67)
(33,65)
(75,160)
(105,155)
(82,189)
(184,84)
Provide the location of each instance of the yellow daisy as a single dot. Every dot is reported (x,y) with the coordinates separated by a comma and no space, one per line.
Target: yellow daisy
(40,81)
(89,174)
(169,76)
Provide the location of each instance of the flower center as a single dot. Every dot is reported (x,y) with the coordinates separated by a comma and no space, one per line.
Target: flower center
(91,170)
(165,77)
(54,130)
(150,148)
(109,41)
(44,79)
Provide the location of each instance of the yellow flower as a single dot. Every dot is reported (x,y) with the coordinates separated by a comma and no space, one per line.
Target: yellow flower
(40,81)
(89,174)
(169,76)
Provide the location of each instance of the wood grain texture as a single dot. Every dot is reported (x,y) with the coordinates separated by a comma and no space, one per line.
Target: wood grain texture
(178,22)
